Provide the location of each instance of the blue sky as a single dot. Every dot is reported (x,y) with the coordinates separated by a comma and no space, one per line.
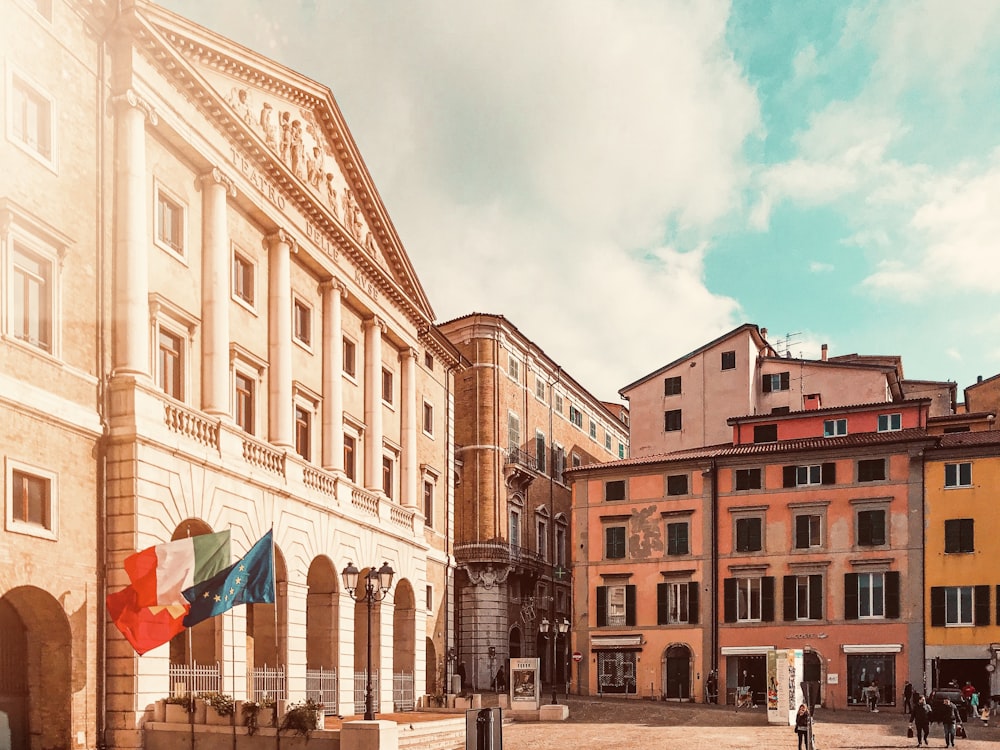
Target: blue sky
(627,180)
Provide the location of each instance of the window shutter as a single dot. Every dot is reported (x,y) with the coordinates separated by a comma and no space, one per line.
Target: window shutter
(785,381)
(892,594)
(767,598)
(630,605)
(788,476)
(602,606)
(815,597)
(662,603)
(693,603)
(878,527)
(850,596)
(729,600)
(801,532)
(952,536)
(755,534)
(742,534)
(937,607)
(767,384)
(829,473)
(981,598)
(864,528)
(788,591)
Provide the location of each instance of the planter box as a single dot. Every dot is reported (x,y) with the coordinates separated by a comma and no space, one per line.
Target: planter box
(212,718)
(176,714)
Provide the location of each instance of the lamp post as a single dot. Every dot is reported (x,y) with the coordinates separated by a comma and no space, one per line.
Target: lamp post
(377,585)
(552,631)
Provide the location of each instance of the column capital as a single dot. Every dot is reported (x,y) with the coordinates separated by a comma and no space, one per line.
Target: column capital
(408,353)
(216,176)
(334,285)
(375,322)
(280,236)
(128,99)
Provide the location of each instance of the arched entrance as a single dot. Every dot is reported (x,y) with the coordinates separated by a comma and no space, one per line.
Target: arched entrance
(322,634)
(676,671)
(404,644)
(201,644)
(36,652)
(514,643)
(812,675)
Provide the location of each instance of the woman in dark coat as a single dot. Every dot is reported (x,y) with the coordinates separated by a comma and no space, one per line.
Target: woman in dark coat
(921,718)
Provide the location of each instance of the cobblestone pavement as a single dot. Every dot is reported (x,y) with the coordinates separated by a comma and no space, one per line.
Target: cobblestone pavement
(603,724)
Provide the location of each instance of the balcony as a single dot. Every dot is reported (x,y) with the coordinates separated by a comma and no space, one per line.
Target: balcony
(520,469)
(500,553)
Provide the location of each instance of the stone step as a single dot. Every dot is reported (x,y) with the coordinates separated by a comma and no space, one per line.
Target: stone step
(446,734)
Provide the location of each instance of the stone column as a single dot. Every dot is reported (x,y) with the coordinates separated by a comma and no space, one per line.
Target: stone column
(279,309)
(215,293)
(132,238)
(295,639)
(408,398)
(373,404)
(334,293)
(347,634)
(234,653)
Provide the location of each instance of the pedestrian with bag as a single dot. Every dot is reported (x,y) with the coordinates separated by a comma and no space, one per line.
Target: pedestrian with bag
(950,720)
(920,717)
(802,722)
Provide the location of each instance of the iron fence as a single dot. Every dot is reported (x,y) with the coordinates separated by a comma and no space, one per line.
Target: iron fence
(193,678)
(321,687)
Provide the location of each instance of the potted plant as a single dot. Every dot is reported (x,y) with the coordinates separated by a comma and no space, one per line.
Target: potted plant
(223,708)
(302,718)
(252,718)
(178,709)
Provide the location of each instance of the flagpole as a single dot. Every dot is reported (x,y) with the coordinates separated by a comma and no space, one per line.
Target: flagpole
(232,667)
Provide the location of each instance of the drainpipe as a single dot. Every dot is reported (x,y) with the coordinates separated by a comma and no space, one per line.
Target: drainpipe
(714,564)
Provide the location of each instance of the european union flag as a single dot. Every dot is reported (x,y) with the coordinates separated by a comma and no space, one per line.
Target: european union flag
(249,581)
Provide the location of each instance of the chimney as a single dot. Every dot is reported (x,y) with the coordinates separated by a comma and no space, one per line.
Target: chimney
(823,352)
(979,378)
(763,333)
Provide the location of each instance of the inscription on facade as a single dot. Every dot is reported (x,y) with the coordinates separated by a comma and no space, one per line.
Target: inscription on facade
(266,188)
(322,241)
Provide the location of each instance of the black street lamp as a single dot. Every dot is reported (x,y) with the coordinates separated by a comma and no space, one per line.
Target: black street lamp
(377,585)
(557,629)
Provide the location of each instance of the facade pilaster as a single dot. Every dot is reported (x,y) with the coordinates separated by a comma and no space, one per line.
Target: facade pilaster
(347,634)
(279,307)
(334,293)
(234,653)
(215,293)
(373,404)
(130,353)
(408,397)
(295,666)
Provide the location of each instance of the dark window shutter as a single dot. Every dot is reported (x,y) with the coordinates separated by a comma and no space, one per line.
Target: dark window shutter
(937,606)
(801,532)
(742,534)
(864,528)
(829,473)
(815,597)
(892,594)
(630,605)
(785,381)
(729,600)
(981,596)
(662,603)
(788,596)
(850,596)
(878,528)
(767,598)
(756,534)
(693,603)
(602,606)
(788,476)
(767,384)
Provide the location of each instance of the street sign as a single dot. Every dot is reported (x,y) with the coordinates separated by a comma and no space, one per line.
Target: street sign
(577,656)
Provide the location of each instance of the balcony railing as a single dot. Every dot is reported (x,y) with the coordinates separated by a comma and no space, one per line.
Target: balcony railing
(498,551)
(521,458)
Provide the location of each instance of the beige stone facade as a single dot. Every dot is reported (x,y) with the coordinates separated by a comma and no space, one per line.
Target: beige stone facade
(521,421)
(209,323)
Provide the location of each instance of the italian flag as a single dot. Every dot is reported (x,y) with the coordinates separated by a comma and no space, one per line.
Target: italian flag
(159,574)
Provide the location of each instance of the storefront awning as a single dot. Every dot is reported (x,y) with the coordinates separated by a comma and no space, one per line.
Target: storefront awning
(872,648)
(745,650)
(632,642)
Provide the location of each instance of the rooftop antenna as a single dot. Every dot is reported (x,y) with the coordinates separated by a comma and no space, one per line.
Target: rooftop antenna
(783,346)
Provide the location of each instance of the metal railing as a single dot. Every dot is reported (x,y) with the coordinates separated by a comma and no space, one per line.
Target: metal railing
(402,691)
(359,691)
(497,551)
(321,687)
(521,458)
(191,678)
(266,682)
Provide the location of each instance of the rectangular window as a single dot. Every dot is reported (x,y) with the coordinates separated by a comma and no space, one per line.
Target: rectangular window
(765,433)
(871,470)
(614,542)
(515,527)
(672,386)
(808,531)
(557,403)
(429,361)
(349,354)
(958,475)
(429,598)
(539,388)
(428,418)
(749,537)
(958,605)
(677,484)
(170,360)
(30,501)
(748,600)
(778,381)
(614,490)
(560,544)
(513,368)
(243,279)
(871,528)
(388,479)
(558,462)
(615,605)
(804,597)
(169,222)
(30,306)
(513,431)
(387,395)
(677,539)
(676,603)
(593,430)
(302,322)
(871,595)
(303,432)
(672,420)
(959,535)
(802,476)
(245,397)
(542,538)
(890,422)
(621,450)
(607,440)
(31,124)
(749,479)
(429,504)
(729,360)
(576,416)
(834,427)
(806,475)
(540,450)
(350,456)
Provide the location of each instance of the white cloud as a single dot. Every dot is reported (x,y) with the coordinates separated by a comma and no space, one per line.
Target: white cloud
(819,267)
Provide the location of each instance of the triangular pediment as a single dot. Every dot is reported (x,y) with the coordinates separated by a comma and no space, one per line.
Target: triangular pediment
(303,133)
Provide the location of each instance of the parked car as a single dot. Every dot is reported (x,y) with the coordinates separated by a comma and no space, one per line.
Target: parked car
(955,696)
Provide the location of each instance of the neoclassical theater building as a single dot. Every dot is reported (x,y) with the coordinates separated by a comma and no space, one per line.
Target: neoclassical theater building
(208,322)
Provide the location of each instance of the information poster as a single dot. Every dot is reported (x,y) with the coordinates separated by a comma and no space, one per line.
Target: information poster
(525,686)
(784,691)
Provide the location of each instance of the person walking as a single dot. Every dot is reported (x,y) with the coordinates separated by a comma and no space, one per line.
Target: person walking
(921,718)
(907,697)
(950,719)
(974,704)
(802,722)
